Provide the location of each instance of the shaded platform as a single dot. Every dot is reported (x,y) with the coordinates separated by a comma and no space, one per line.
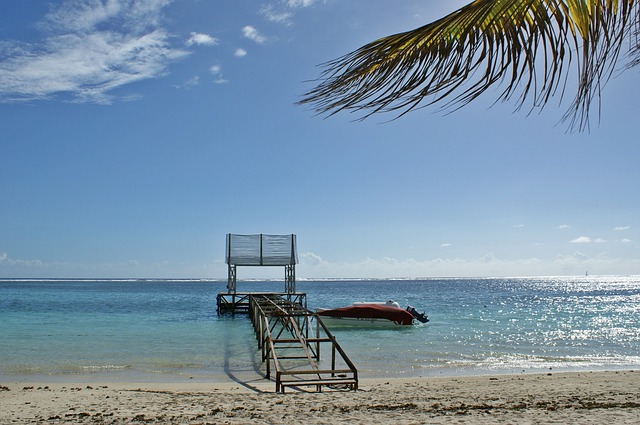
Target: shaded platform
(291,345)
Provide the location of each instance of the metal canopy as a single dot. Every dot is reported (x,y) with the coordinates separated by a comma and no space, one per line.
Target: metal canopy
(262,250)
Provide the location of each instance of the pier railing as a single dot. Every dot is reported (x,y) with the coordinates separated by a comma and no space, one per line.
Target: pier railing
(290,342)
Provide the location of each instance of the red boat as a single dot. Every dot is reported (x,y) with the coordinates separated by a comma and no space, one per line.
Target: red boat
(371,314)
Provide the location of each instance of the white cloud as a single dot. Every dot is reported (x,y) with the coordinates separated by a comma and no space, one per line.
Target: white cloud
(582,239)
(300,3)
(625,240)
(564,226)
(191,82)
(600,240)
(622,228)
(446,245)
(8,263)
(216,70)
(89,50)
(313,266)
(34,268)
(310,258)
(240,53)
(276,15)
(518,226)
(282,12)
(252,34)
(86,15)
(201,40)
(82,16)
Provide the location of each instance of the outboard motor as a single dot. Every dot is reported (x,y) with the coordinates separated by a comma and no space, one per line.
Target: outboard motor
(421,317)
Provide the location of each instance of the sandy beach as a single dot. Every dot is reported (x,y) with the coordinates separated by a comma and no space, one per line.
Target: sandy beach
(576,398)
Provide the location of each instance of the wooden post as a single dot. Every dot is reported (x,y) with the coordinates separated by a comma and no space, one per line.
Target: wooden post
(318,339)
(231,279)
(333,354)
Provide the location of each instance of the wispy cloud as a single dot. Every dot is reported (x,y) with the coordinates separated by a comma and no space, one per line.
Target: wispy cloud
(82,15)
(240,53)
(278,15)
(619,228)
(283,11)
(299,3)
(88,50)
(200,39)
(446,245)
(253,34)
(564,226)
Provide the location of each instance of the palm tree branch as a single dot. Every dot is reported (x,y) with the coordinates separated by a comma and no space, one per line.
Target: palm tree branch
(529,46)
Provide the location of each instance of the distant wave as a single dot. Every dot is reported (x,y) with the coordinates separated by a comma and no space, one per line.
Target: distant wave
(322,279)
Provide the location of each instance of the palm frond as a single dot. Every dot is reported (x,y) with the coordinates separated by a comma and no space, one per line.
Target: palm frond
(526,46)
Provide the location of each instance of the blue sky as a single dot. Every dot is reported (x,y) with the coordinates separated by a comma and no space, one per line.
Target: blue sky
(136,135)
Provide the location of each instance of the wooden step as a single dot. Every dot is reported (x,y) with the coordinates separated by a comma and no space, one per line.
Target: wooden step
(352,383)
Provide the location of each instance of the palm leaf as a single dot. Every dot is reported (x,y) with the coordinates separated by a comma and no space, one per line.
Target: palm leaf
(528,47)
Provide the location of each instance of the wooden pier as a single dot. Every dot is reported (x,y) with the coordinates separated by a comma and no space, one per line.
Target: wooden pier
(288,340)
(291,345)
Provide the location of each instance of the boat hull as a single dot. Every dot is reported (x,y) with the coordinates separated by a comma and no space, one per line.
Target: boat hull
(368,315)
(359,322)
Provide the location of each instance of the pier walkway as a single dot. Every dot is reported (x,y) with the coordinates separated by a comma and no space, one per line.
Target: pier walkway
(291,344)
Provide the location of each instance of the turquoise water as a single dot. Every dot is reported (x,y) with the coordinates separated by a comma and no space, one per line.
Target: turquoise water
(146,330)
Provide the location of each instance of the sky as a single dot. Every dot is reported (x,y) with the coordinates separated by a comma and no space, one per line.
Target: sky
(136,134)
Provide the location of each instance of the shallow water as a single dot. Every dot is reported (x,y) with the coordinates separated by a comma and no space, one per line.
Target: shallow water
(149,330)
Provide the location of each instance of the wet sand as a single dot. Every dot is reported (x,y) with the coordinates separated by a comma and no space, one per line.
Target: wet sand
(575,398)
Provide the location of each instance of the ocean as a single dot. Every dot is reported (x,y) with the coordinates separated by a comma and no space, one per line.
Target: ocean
(148,330)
